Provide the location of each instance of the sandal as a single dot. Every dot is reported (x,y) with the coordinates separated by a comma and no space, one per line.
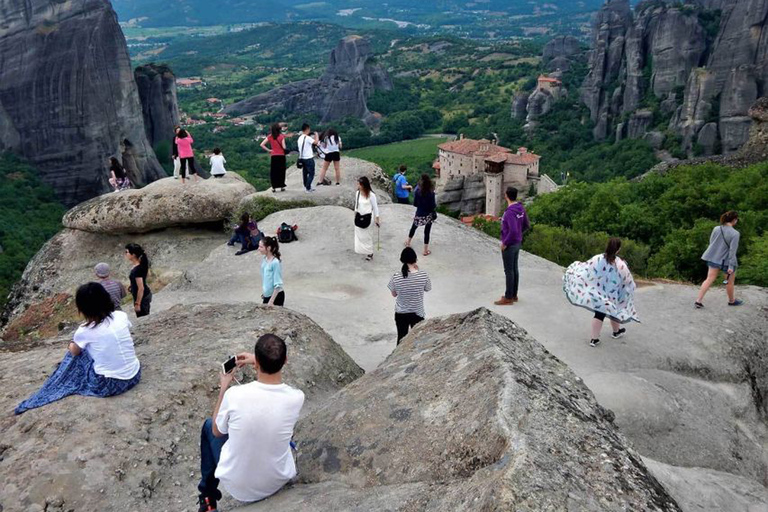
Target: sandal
(427,252)
(369,257)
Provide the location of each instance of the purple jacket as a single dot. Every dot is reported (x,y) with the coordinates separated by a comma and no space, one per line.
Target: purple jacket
(513,223)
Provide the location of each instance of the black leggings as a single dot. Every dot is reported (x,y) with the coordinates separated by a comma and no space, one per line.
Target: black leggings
(404,321)
(601,316)
(279,300)
(427,231)
(187,162)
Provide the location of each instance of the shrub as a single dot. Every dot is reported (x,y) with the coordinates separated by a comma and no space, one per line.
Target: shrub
(261,207)
(754,266)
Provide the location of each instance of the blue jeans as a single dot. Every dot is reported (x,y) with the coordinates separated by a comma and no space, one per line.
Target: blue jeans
(510,256)
(210,452)
(236,239)
(308,172)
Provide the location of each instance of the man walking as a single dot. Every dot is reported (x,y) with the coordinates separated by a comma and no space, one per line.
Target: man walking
(307,156)
(513,223)
(402,188)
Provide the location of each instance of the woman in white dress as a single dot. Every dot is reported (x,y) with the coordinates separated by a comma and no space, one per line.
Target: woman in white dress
(366,214)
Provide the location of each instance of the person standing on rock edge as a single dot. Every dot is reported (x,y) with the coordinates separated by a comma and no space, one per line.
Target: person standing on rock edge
(142,295)
(721,256)
(277,151)
(175,153)
(330,143)
(408,287)
(366,209)
(603,285)
(402,188)
(514,223)
(271,272)
(426,211)
(246,445)
(184,143)
(307,156)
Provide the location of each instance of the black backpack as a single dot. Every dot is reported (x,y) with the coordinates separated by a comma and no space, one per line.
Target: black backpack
(286,234)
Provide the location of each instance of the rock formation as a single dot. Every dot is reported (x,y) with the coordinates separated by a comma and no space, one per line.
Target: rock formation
(68,100)
(350,78)
(157,91)
(559,52)
(464,194)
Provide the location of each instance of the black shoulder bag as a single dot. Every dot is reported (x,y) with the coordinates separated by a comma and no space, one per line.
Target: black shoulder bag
(362,221)
(299,163)
(723,265)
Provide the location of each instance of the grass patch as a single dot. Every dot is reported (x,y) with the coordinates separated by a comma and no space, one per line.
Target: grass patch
(418,155)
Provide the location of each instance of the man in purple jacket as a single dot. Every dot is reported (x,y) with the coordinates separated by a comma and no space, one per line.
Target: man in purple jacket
(513,223)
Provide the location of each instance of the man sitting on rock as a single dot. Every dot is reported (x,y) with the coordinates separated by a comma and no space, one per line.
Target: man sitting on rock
(247,444)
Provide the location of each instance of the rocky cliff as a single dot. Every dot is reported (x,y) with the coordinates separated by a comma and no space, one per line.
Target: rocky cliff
(157,91)
(696,67)
(350,78)
(68,100)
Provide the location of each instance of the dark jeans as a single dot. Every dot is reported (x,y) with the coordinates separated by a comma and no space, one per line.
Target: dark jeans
(279,300)
(427,231)
(250,243)
(237,238)
(403,200)
(510,256)
(187,162)
(404,321)
(146,303)
(210,452)
(308,172)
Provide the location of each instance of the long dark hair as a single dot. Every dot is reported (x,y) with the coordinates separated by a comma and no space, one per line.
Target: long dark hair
(245,219)
(94,303)
(275,129)
(407,257)
(270,242)
(728,216)
(330,134)
(614,244)
(182,134)
(425,185)
(114,166)
(137,251)
(366,183)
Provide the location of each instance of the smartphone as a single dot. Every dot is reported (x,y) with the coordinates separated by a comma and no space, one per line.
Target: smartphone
(229,365)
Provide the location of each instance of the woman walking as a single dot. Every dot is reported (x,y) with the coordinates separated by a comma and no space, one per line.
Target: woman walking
(330,145)
(277,151)
(408,287)
(426,214)
(271,272)
(142,295)
(366,209)
(101,360)
(721,255)
(118,177)
(603,285)
(184,143)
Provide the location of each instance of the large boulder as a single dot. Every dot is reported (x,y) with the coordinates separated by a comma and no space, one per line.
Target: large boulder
(157,90)
(162,204)
(140,450)
(469,413)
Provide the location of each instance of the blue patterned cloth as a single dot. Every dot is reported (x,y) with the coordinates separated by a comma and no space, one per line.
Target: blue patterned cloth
(75,376)
(601,287)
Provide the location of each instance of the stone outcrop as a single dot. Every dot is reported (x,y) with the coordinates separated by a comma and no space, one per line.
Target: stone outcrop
(162,204)
(464,194)
(68,100)
(559,53)
(350,78)
(140,450)
(159,107)
(509,427)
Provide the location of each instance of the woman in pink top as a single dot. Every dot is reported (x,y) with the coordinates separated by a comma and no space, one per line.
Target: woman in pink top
(277,150)
(187,156)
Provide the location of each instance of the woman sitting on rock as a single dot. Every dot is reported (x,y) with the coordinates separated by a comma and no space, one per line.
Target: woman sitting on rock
(426,214)
(184,143)
(603,285)
(366,210)
(101,360)
(408,287)
(271,272)
(118,177)
(247,233)
(142,295)
(277,153)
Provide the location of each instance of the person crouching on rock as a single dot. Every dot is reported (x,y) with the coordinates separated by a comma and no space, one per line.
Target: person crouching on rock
(277,151)
(721,256)
(184,143)
(118,178)
(271,272)
(248,234)
(603,285)
(217,164)
(366,209)
(101,360)
(142,295)
(408,287)
(246,445)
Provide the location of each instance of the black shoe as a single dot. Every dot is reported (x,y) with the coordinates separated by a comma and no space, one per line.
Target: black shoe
(618,334)
(594,343)
(238,253)
(231,244)
(206,504)
(698,305)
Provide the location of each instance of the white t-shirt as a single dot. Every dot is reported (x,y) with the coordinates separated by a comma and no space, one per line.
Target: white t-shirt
(259,418)
(217,164)
(305,143)
(110,346)
(331,144)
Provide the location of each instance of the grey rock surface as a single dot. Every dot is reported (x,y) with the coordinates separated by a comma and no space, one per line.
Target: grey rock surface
(639,123)
(465,195)
(157,91)
(520,105)
(68,100)
(708,138)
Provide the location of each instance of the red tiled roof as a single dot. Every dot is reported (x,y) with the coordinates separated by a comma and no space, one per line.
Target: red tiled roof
(523,158)
(543,78)
(472,147)
(497,158)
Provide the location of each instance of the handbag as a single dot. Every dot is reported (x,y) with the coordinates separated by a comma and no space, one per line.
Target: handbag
(300,162)
(362,221)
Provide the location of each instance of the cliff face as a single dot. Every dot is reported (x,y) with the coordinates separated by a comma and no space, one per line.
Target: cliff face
(157,91)
(68,100)
(349,79)
(700,64)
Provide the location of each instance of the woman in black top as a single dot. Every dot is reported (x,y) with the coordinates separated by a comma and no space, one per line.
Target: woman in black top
(142,295)
(426,206)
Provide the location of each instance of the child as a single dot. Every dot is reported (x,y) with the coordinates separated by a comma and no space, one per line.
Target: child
(217,164)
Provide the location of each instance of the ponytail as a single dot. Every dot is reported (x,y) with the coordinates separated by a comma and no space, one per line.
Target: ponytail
(270,242)
(728,216)
(407,257)
(614,244)
(405,270)
(137,251)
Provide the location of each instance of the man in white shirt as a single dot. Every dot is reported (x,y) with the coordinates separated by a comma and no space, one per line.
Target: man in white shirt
(247,445)
(307,156)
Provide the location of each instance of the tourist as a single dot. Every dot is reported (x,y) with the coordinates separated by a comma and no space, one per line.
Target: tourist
(513,223)
(306,161)
(426,211)
(408,287)
(246,445)
(101,360)
(247,233)
(402,188)
(217,164)
(366,209)
(277,161)
(603,285)
(118,177)
(330,143)
(271,272)
(115,289)
(175,153)
(142,295)
(184,142)
(721,256)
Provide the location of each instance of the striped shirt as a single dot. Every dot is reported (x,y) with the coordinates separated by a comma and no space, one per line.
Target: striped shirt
(115,289)
(410,291)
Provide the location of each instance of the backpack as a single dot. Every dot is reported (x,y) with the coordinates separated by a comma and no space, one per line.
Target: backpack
(286,233)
